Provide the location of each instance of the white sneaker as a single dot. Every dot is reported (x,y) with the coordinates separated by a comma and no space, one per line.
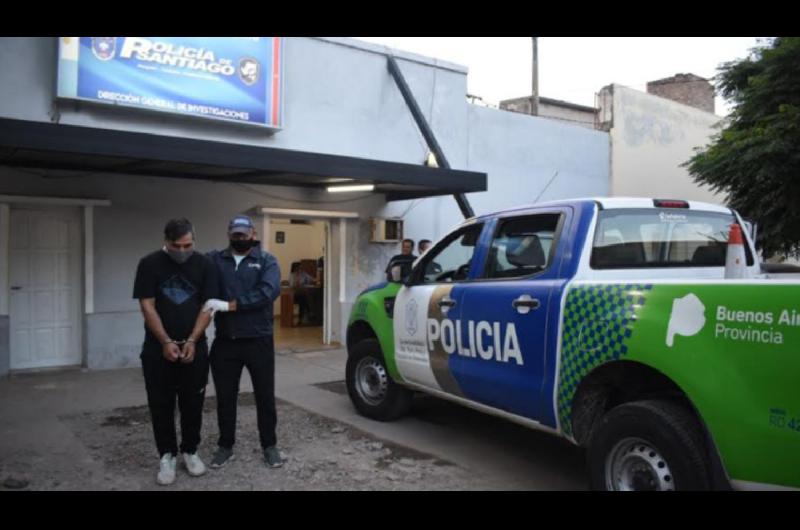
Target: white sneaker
(193,464)
(166,475)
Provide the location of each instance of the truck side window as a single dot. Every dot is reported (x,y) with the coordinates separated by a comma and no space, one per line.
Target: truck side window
(449,260)
(661,237)
(522,246)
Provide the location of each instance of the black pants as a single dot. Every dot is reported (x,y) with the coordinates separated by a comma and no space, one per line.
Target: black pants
(227,358)
(301,299)
(165,381)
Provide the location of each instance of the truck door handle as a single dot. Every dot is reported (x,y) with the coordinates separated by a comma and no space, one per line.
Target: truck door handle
(525,303)
(447,302)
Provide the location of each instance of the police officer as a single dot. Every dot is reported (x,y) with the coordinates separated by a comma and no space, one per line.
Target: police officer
(249,284)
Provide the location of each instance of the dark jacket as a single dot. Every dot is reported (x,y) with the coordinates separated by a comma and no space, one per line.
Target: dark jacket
(255,285)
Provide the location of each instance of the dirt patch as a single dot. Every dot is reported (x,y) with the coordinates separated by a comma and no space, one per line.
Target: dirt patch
(320,453)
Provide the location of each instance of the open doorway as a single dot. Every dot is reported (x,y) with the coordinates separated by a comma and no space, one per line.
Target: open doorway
(331,271)
(300,246)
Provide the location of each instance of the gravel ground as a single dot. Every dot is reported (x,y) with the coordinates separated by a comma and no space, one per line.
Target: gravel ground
(321,454)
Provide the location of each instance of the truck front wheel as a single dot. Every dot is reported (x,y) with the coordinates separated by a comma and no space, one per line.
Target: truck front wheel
(648,445)
(371,388)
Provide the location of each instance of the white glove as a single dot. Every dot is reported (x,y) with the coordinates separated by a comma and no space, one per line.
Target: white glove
(213,305)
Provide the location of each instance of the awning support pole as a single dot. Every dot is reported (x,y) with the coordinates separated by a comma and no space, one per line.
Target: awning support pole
(422,123)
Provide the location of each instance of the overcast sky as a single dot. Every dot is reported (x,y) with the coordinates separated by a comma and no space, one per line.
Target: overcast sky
(574,68)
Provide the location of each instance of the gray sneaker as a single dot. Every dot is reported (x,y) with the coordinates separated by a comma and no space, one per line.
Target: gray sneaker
(221,457)
(272,457)
(166,472)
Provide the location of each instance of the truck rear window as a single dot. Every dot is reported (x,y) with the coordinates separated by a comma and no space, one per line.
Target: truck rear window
(661,237)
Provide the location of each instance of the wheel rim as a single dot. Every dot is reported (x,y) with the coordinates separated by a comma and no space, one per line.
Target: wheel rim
(372,381)
(637,465)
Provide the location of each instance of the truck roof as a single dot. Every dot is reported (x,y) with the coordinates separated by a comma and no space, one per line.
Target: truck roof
(611,203)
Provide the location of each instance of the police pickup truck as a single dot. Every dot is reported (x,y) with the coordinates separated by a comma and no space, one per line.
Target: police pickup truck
(605,321)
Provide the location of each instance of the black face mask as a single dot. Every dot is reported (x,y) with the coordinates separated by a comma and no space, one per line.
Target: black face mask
(243,245)
(179,256)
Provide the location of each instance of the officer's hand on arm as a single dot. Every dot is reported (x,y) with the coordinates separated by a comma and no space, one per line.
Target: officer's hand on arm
(213,305)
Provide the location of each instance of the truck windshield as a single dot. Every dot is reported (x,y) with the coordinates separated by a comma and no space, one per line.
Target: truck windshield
(661,237)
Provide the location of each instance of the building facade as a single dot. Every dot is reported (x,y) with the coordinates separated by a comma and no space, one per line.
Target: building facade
(651,137)
(85,188)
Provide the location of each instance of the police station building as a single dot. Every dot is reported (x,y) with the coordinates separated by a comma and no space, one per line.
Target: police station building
(104,139)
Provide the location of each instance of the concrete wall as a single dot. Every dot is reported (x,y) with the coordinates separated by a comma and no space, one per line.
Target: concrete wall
(520,155)
(582,118)
(650,138)
(549,108)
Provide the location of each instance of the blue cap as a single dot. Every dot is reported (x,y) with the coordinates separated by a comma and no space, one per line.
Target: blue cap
(241,224)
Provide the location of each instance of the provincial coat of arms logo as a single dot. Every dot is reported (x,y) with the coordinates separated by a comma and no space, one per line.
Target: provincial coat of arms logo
(411,317)
(249,70)
(104,48)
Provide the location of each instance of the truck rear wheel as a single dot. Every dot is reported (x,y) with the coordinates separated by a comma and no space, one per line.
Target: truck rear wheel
(650,446)
(371,388)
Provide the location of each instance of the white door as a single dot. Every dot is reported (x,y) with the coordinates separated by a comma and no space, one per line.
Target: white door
(45,287)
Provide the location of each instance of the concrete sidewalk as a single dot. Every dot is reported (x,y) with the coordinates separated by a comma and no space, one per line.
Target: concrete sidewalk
(511,456)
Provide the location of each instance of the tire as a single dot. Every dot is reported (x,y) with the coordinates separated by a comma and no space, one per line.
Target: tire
(371,388)
(646,445)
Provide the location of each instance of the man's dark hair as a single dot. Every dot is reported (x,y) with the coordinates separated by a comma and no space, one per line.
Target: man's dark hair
(423,241)
(177,228)
(409,241)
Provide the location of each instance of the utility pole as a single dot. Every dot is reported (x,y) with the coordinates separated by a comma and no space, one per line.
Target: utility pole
(535,80)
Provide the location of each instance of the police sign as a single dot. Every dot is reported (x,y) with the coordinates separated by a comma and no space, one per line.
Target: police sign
(230,78)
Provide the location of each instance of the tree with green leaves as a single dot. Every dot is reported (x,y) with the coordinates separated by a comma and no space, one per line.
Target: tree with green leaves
(755,158)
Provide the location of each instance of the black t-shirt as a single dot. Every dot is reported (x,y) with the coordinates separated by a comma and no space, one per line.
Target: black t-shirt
(180,290)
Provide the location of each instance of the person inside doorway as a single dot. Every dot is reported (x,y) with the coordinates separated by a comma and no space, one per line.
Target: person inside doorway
(300,281)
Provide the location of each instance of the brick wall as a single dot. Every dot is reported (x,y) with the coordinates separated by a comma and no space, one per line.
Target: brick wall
(685,88)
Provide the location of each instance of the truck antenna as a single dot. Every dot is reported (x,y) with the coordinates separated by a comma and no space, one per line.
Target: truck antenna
(545,188)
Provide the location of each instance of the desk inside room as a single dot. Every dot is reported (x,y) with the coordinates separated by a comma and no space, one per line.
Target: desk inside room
(287,305)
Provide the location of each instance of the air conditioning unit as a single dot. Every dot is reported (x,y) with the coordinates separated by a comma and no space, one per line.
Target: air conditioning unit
(386,230)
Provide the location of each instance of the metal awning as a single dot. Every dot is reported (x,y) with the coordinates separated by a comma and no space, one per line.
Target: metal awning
(49,146)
